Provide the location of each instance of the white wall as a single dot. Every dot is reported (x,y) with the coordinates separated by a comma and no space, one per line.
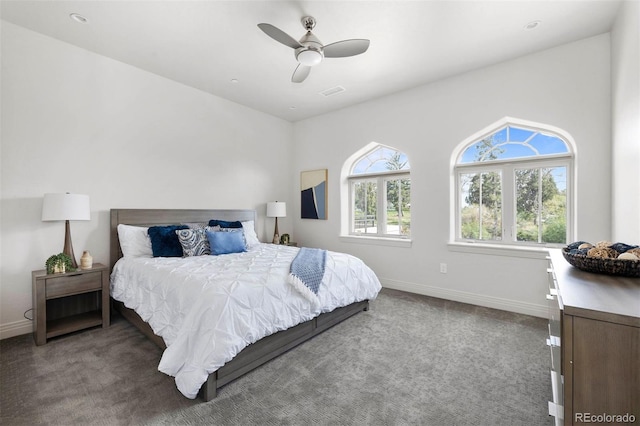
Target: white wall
(567,87)
(625,94)
(73,121)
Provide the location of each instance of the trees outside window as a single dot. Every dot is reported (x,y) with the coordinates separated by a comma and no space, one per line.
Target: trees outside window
(513,187)
(482,195)
(380,194)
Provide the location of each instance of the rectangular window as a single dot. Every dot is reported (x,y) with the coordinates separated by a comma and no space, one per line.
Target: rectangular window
(398,203)
(365,207)
(541,204)
(481,206)
(381,206)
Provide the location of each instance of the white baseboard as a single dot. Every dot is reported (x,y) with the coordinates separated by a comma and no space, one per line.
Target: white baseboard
(535,310)
(16,328)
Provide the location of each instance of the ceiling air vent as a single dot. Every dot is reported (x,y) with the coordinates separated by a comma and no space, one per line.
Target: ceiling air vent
(332,91)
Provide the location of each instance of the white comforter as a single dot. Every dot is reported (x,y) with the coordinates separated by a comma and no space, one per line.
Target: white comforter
(208,308)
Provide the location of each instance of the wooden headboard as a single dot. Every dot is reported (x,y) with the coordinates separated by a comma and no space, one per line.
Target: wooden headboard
(153,217)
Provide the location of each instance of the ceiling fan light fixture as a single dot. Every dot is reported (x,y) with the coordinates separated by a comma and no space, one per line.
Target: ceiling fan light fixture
(309,57)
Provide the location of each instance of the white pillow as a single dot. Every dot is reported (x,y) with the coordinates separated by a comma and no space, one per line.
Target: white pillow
(250,234)
(134,241)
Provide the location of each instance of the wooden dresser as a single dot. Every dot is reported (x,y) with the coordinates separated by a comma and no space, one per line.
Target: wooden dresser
(594,341)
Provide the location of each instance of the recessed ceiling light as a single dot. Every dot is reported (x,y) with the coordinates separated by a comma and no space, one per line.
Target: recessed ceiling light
(79,18)
(234,80)
(531,25)
(292,107)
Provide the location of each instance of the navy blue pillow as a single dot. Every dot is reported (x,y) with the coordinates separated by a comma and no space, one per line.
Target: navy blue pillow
(225,223)
(164,240)
(226,242)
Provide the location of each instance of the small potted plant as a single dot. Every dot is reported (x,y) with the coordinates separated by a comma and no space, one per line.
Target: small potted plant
(59,263)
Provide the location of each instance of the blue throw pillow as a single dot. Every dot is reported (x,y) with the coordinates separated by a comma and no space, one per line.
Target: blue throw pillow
(164,241)
(225,223)
(226,242)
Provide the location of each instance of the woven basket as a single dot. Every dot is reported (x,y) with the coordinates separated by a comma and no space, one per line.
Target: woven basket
(623,267)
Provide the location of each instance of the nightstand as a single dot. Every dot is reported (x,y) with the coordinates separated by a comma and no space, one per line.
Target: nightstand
(64,303)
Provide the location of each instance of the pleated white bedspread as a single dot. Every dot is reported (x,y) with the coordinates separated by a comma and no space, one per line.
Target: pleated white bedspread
(208,308)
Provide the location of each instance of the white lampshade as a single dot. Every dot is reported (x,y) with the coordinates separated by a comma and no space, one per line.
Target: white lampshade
(276,209)
(65,207)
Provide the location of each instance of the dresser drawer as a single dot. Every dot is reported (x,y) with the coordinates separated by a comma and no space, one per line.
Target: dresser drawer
(553,343)
(73,284)
(555,306)
(556,407)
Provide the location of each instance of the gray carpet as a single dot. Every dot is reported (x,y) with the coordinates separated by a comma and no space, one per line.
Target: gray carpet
(409,360)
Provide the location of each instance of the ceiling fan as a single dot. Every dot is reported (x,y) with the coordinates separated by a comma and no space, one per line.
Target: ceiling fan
(309,51)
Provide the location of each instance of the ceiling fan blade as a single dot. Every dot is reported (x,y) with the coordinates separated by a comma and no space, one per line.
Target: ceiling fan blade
(301,72)
(279,35)
(344,48)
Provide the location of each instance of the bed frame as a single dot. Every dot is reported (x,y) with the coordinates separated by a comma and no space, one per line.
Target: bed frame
(253,355)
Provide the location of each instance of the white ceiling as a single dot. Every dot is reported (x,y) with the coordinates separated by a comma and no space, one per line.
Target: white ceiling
(207,44)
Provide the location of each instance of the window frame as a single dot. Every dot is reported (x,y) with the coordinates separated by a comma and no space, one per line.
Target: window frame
(381,202)
(506,168)
(458,199)
(347,205)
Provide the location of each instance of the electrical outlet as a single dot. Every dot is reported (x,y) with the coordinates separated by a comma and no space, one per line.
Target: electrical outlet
(443,268)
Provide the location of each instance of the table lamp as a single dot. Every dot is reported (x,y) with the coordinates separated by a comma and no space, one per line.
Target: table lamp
(66,207)
(276,209)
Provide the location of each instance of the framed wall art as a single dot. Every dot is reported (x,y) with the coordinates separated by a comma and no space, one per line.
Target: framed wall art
(313,194)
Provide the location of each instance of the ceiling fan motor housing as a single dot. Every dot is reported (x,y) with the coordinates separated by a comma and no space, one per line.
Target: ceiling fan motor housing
(310,53)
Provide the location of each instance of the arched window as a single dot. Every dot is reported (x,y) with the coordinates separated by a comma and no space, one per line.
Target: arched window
(514,185)
(380,193)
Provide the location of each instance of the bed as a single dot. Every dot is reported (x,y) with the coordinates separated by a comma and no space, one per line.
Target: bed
(174,320)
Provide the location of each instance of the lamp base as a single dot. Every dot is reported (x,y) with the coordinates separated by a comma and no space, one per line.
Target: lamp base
(68,247)
(276,235)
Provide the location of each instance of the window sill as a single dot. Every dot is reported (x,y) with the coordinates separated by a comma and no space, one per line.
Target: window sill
(380,241)
(500,250)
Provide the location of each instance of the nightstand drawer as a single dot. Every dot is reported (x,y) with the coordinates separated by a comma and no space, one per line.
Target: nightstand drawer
(73,284)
